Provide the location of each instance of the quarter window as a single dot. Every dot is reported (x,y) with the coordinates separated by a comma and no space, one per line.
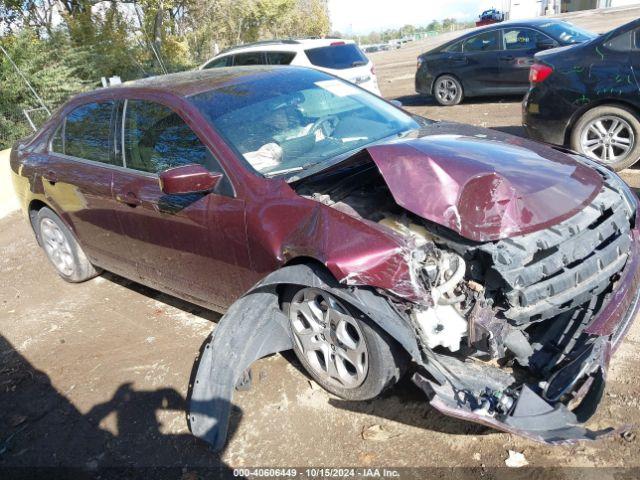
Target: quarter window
(86,133)
(484,42)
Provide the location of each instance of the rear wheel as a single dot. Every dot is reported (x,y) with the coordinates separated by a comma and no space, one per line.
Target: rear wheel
(608,134)
(61,248)
(447,90)
(339,347)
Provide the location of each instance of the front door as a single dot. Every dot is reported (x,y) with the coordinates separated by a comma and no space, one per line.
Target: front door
(186,245)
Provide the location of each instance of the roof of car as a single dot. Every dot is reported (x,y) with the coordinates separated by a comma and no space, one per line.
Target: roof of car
(189,83)
(289,45)
(532,22)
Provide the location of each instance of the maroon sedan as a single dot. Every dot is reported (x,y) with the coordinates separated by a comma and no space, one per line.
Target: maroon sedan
(503,273)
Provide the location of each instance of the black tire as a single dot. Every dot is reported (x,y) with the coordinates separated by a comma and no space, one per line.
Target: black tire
(447,90)
(608,112)
(77,268)
(386,359)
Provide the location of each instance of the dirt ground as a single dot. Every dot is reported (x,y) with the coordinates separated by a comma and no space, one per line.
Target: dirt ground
(96,374)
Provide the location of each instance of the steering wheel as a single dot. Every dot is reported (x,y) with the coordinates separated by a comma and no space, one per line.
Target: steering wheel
(326,123)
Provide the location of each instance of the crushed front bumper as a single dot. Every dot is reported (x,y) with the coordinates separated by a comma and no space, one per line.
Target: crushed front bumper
(537,414)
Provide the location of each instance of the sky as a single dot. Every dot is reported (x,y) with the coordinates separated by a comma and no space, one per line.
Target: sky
(364,16)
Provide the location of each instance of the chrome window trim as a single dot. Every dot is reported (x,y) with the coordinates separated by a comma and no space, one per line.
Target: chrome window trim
(123,146)
(105,165)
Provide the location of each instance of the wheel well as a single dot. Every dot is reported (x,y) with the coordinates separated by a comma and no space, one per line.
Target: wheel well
(596,103)
(34,207)
(314,263)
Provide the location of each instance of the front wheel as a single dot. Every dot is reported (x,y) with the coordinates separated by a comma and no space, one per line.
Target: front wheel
(340,348)
(61,248)
(608,134)
(447,90)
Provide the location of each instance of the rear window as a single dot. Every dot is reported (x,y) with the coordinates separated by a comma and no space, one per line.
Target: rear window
(337,57)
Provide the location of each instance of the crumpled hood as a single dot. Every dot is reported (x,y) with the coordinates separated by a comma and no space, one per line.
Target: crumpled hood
(483,184)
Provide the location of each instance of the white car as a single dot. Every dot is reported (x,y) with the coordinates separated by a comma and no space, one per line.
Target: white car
(342,58)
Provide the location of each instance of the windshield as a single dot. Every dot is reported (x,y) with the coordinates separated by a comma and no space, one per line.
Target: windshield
(286,120)
(566,33)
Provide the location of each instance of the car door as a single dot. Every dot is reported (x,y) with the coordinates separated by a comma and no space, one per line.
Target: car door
(77,180)
(181,244)
(477,66)
(519,45)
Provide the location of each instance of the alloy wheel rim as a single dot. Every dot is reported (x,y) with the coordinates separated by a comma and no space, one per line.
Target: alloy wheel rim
(608,139)
(447,90)
(329,338)
(57,246)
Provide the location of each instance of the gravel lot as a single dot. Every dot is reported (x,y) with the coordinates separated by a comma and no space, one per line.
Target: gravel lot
(96,374)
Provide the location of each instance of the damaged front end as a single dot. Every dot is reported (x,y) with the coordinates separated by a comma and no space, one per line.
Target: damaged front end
(509,328)
(520,330)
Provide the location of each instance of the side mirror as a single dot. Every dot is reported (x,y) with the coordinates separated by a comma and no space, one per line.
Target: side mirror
(546,44)
(188,179)
(396,103)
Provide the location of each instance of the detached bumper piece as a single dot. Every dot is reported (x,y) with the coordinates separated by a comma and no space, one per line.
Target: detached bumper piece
(531,411)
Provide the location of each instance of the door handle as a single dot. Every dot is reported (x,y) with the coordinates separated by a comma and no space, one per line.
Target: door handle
(508,58)
(51,177)
(129,198)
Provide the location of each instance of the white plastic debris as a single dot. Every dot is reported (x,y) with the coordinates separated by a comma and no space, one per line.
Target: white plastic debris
(516,460)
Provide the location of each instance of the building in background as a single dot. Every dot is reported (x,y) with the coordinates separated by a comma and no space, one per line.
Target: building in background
(517,9)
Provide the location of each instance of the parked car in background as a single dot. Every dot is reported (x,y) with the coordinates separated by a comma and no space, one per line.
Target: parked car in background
(489,16)
(324,219)
(492,60)
(342,58)
(588,97)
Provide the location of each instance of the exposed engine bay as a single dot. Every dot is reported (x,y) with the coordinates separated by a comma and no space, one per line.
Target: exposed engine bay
(520,307)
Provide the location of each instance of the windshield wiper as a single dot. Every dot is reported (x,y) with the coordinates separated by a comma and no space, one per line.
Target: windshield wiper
(359,63)
(275,173)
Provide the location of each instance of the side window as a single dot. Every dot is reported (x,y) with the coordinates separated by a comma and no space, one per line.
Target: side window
(280,58)
(455,48)
(485,42)
(620,43)
(219,62)
(87,132)
(249,58)
(156,139)
(636,39)
(521,39)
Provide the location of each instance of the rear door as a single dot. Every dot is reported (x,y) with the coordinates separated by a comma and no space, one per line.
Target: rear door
(477,67)
(181,244)
(519,45)
(78,179)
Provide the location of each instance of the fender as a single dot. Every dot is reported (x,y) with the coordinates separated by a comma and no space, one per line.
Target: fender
(254,327)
